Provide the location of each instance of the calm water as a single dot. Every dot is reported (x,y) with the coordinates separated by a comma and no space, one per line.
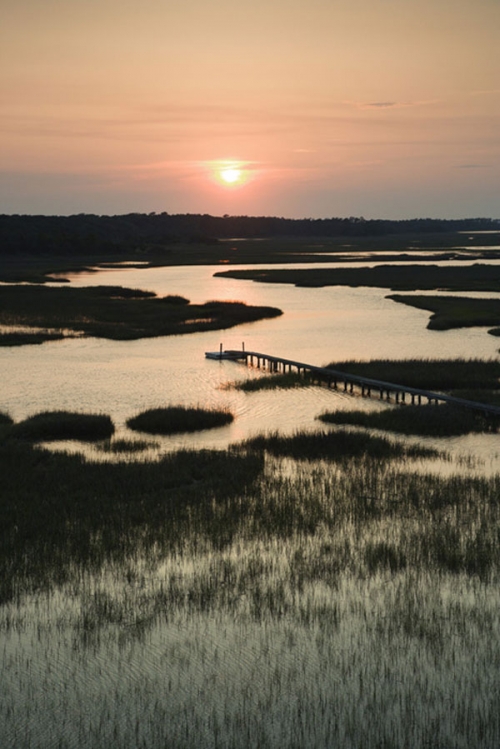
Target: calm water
(318,326)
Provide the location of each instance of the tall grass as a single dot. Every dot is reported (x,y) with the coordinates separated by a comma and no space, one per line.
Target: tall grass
(220,599)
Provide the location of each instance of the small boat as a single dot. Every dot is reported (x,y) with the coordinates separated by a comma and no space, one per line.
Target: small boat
(220,354)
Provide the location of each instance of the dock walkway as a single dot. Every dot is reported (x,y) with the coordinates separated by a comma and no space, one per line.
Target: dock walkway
(334,378)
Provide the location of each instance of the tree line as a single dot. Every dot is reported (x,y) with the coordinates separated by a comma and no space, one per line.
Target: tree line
(94,234)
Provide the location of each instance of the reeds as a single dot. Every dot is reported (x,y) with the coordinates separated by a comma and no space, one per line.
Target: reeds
(178,419)
(283,597)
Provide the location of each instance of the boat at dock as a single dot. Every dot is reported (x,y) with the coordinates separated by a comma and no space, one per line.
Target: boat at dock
(221,354)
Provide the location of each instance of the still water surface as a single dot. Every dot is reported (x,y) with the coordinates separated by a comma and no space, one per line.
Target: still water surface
(318,326)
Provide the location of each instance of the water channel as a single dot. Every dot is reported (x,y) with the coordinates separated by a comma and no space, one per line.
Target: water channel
(318,326)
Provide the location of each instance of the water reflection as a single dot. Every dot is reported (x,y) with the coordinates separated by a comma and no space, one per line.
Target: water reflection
(122,378)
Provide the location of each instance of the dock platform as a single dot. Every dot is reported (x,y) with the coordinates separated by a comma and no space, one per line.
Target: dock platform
(366,386)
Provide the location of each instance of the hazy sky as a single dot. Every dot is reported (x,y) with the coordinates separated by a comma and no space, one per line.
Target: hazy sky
(380,108)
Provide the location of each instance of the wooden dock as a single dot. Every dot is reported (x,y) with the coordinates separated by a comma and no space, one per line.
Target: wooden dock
(334,378)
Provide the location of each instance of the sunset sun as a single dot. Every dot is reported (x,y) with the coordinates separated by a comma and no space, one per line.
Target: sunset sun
(230,175)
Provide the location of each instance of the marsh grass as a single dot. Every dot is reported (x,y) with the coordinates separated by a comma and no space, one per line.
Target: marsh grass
(490,397)
(428,420)
(335,445)
(24,339)
(429,374)
(224,524)
(408,277)
(450,312)
(178,419)
(56,510)
(126,446)
(472,379)
(119,313)
(220,599)
(64,425)
(285,381)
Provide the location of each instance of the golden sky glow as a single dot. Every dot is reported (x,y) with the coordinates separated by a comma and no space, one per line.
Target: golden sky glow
(354,107)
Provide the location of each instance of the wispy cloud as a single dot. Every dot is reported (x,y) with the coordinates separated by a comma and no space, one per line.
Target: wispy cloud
(380,104)
(472,166)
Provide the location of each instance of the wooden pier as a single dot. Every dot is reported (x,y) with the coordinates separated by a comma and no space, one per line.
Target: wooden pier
(334,378)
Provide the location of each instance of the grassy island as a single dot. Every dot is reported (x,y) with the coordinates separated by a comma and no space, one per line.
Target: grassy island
(117,313)
(426,420)
(406,277)
(336,446)
(64,425)
(456,312)
(177,419)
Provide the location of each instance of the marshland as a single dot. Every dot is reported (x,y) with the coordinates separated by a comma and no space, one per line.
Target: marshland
(283,579)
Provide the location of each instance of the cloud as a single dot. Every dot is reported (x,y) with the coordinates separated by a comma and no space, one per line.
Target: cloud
(393,104)
(380,104)
(472,166)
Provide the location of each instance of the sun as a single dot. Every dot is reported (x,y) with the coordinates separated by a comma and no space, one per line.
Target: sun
(230,175)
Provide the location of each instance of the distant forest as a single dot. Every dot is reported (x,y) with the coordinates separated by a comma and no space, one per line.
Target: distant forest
(92,234)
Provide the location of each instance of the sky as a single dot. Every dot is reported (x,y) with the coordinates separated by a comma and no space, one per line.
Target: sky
(295,108)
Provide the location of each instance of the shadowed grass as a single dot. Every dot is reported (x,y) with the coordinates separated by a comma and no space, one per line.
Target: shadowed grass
(456,312)
(119,313)
(177,419)
(24,339)
(273,382)
(428,374)
(64,425)
(399,277)
(465,378)
(490,397)
(126,446)
(429,420)
(5,419)
(56,510)
(335,445)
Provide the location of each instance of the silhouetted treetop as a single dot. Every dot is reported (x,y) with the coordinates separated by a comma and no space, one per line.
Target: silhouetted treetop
(107,235)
